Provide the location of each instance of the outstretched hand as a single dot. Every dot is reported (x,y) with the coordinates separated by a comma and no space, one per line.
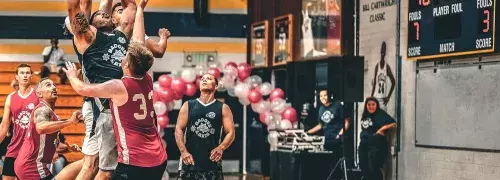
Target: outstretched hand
(71,70)
(163,33)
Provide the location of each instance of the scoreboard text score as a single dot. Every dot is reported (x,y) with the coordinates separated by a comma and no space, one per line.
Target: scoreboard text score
(444,28)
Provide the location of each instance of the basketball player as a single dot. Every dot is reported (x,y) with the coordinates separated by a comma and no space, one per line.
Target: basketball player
(382,71)
(198,133)
(141,153)
(100,55)
(17,111)
(41,141)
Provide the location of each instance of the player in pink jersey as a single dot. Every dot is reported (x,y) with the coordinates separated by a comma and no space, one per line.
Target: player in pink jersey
(17,111)
(40,142)
(140,151)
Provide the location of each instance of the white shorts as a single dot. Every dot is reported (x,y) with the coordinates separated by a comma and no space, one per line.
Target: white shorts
(100,137)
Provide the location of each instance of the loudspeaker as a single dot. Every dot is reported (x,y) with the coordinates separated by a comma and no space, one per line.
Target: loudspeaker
(301,84)
(353,78)
(201,12)
(342,77)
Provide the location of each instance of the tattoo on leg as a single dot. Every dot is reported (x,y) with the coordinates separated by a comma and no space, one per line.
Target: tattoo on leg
(81,24)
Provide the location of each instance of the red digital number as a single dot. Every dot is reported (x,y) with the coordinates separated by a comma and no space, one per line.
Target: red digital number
(424,2)
(417,30)
(487,20)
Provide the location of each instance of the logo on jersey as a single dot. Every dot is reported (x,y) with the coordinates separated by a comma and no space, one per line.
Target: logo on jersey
(327,116)
(23,119)
(115,54)
(210,115)
(381,83)
(122,40)
(366,123)
(202,128)
(31,106)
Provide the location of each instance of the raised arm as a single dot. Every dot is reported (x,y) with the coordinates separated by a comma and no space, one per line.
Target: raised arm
(158,48)
(86,7)
(109,89)
(43,124)
(106,6)
(180,127)
(138,34)
(228,124)
(126,23)
(4,127)
(84,33)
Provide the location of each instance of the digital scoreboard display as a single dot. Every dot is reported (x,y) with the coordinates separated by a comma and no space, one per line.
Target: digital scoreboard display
(444,28)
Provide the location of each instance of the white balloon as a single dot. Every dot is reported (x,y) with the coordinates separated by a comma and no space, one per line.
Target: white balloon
(285,124)
(227,82)
(200,70)
(254,81)
(230,71)
(261,106)
(241,90)
(231,92)
(188,75)
(265,89)
(170,106)
(273,138)
(156,85)
(244,101)
(278,105)
(160,108)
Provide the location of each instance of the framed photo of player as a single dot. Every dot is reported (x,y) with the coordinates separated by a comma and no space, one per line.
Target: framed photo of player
(320,28)
(283,34)
(259,44)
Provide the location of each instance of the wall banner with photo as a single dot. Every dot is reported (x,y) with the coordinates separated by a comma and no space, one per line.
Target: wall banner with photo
(259,44)
(283,34)
(321,28)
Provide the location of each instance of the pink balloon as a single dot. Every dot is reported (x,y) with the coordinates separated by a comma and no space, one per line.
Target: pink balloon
(178,96)
(165,81)
(163,120)
(198,82)
(215,72)
(263,116)
(166,95)
(231,63)
(156,96)
(276,93)
(244,71)
(254,96)
(190,89)
(178,85)
(290,114)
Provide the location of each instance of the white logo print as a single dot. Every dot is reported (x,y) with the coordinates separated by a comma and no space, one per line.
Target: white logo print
(202,128)
(23,119)
(31,106)
(210,115)
(327,116)
(366,123)
(115,54)
(122,40)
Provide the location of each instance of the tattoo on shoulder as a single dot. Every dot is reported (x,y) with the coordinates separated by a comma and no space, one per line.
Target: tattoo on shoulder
(82,24)
(42,114)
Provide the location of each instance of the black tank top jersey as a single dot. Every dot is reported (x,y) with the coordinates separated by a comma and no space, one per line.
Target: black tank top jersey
(102,60)
(203,134)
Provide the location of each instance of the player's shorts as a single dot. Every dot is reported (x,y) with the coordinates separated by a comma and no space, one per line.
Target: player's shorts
(100,137)
(8,167)
(124,171)
(195,175)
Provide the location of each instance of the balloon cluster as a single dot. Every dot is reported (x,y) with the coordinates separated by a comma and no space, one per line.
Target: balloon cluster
(274,111)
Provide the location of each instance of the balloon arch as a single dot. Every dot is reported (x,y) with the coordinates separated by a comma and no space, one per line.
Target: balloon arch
(274,112)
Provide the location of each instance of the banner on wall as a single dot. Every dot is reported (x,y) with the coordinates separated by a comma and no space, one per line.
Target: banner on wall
(321,28)
(259,44)
(283,34)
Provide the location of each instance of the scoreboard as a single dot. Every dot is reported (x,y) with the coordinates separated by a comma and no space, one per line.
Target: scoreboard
(445,28)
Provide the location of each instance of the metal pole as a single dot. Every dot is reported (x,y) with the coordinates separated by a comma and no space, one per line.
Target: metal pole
(245,139)
(398,94)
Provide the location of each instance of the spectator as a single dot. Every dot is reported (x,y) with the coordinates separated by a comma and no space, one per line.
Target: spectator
(53,59)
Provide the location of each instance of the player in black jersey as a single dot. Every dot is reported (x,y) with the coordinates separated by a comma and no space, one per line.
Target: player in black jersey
(198,133)
(100,55)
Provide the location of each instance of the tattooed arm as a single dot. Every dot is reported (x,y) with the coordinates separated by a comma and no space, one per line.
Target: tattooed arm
(43,124)
(84,33)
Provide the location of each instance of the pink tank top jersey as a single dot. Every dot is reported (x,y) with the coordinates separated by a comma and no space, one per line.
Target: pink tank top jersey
(20,115)
(37,151)
(139,143)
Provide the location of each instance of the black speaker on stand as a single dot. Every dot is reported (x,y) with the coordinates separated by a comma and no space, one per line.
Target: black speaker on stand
(201,15)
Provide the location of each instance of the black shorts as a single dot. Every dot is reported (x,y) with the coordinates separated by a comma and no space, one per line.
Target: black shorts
(124,171)
(195,175)
(8,167)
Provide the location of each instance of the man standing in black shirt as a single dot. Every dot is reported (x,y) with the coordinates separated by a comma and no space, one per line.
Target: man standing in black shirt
(198,133)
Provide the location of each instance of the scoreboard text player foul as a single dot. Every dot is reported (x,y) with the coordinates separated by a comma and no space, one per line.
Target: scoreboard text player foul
(444,28)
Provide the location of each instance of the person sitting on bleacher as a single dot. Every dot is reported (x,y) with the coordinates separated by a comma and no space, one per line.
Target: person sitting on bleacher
(53,59)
